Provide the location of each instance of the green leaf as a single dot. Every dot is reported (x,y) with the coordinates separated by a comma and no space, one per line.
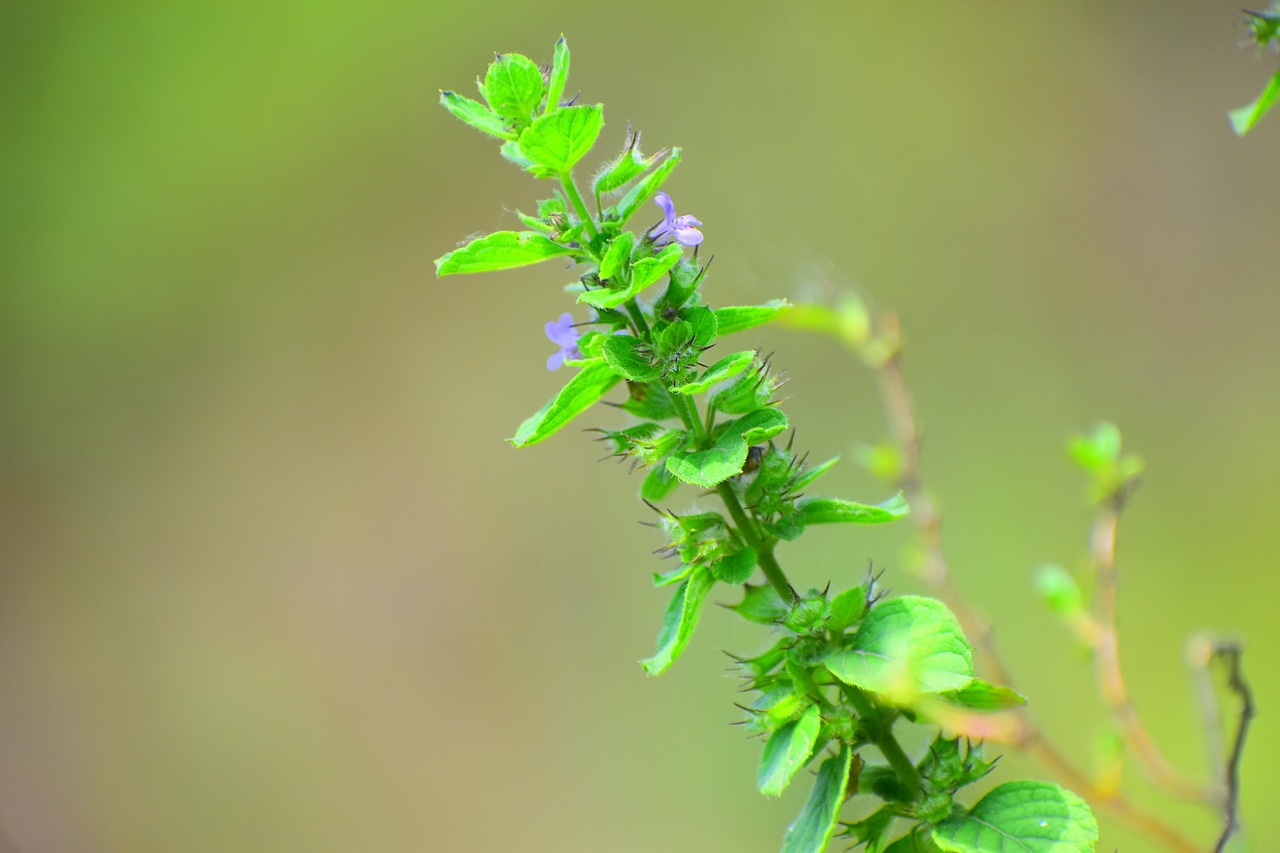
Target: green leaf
(729,366)
(725,458)
(759,426)
(589,385)
(500,250)
(736,568)
(630,358)
(640,193)
(737,318)
(1036,817)
(626,167)
(560,139)
(837,511)
(707,468)
(846,609)
(705,326)
(559,75)
(476,114)
(658,483)
(644,272)
(811,475)
(817,821)
(679,621)
(615,260)
(1060,591)
(905,647)
(916,841)
(984,698)
(513,86)
(760,604)
(649,402)
(1243,119)
(787,752)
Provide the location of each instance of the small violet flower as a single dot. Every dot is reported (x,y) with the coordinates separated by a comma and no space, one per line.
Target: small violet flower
(682,229)
(564,335)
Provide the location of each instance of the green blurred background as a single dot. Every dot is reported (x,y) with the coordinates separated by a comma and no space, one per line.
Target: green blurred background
(271,579)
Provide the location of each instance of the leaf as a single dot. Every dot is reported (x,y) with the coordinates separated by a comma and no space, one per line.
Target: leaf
(589,385)
(729,366)
(1060,591)
(787,752)
(1036,817)
(619,253)
(736,568)
(737,318)
(679,621)
(641,192)
(760,604)
(837,511)
(846,609)
(560,139)
(476,114)
(559,74)
(1243,119)
(705,327)
(817,820)
(905,647)
(811,475)
(513,86)
(759,426)
(707,468)
(630,358)
(658,483)
(916,841)
(725,458)
(644,272)
(985,698)
(500,250)
(626,167)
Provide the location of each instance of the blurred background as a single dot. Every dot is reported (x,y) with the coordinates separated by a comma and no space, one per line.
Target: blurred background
(270,578)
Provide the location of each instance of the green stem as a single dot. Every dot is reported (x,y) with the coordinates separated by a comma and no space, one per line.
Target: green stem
(575,198)
(637,317)
(888,744)
(764,551)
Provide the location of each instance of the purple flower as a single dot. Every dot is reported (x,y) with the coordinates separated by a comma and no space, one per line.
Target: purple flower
(682,229)
(564,335)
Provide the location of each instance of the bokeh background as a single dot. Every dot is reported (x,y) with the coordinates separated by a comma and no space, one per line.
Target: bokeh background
(271,579)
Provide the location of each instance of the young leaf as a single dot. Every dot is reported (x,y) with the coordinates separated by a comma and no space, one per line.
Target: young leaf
(644,272)
(1037,817)
(1243,119)
(616,258)
(725,368)
(736,568)
(817,821)
(658,483)
(706,468)
(476,114)
(737,318)
(1060,591)
(918,840)
(589,385)
(626,167)
(560,139)
(641,192)
(835,510)
(811,475)
(984,698)
(679,621)
(559,75)
(513,86)
(500,250)
(787,752)
(904,647)
(760,604)
(630,358)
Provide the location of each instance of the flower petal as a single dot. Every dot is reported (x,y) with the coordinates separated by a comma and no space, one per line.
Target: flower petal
(688,236)
(664,201)
(555,360)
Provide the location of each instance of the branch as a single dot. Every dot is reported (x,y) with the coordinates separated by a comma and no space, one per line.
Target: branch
(1231,653)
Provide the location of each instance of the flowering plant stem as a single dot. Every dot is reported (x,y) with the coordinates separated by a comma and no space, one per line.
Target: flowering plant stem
(840,667)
